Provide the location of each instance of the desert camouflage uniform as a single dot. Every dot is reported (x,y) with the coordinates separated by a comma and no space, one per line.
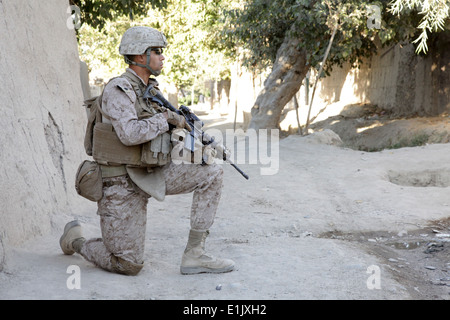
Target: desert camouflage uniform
(123,208)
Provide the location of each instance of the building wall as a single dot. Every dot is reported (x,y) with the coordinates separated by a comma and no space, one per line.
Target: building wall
(394,79)
(42,120)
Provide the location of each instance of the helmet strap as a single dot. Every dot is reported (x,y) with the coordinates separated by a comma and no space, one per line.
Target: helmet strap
(147,66)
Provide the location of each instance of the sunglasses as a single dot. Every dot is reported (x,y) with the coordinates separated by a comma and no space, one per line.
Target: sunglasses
(158,51)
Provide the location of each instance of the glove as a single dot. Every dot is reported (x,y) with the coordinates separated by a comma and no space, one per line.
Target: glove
(178,121)
(209,154)
(222,152)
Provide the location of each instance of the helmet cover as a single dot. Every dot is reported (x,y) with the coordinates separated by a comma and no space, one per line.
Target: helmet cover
(137,40)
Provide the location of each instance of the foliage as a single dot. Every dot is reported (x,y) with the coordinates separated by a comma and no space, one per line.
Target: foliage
(435,13)
(97,13)
(206,36)
(189,58)
(260,26)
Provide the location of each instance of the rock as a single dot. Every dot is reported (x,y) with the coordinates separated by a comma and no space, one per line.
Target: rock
(443,235)
(434,247)
(402,233)
(326,136)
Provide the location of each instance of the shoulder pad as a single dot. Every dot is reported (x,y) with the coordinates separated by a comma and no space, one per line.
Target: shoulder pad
(153,81)
(125,87)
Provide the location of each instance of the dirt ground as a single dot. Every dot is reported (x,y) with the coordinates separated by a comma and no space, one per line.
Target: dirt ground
(325,220)
(368,128)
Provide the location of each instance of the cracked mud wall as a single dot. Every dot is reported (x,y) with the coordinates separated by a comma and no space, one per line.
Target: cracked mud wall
(41,119)
(396,79)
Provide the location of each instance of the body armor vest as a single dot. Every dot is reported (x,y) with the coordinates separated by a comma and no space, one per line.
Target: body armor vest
(104,145)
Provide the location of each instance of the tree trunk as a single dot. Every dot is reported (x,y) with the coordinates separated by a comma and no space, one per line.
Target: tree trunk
(284,81)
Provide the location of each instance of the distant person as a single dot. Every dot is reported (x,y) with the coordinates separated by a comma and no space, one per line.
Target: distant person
(132,143)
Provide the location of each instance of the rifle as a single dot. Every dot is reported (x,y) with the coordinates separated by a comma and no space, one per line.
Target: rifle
(195,123)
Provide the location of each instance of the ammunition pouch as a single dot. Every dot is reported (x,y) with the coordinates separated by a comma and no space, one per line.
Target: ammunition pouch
(157,151)
(88,181)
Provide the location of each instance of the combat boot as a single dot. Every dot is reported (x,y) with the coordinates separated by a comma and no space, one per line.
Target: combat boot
(196,260)
(72,240)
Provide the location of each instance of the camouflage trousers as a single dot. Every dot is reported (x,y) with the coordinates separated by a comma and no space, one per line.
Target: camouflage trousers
(123,213)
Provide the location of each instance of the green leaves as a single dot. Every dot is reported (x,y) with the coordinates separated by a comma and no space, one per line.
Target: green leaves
(206,36)
(97,13)
(260,26)
(191,55)
(434,14)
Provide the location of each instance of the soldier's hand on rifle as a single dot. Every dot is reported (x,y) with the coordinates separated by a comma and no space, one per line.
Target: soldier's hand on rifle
(223,152)
(209,153)
(177,120)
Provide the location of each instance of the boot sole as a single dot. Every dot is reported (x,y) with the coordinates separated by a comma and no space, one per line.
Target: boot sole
(67,228)
(197,270)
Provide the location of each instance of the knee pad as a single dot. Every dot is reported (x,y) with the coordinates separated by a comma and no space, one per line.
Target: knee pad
(125,267)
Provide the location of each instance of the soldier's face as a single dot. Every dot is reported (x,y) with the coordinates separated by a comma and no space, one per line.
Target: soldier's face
(157,59)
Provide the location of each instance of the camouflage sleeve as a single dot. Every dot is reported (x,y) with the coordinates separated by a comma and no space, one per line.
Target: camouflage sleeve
(118,103)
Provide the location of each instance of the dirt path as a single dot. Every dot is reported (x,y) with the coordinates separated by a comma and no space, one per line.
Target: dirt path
(325,222)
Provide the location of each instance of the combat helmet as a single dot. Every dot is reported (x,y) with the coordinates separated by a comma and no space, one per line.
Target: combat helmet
(139,40)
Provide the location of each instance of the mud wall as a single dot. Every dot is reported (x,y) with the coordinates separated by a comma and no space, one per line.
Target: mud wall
(41,120)
(396,79)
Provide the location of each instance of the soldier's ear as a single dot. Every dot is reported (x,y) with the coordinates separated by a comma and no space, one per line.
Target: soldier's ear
(142,58)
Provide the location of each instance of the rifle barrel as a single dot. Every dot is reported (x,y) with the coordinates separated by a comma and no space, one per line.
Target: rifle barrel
(240,171)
